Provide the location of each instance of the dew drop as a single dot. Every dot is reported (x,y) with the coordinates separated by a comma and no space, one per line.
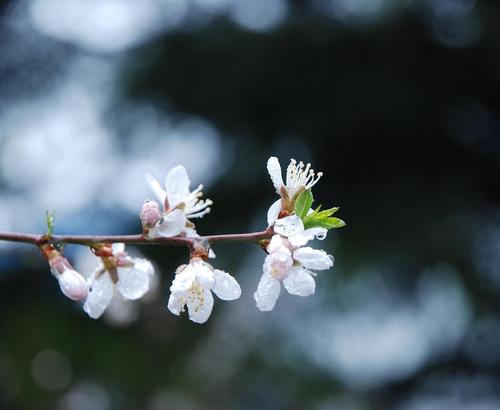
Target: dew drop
(321,236)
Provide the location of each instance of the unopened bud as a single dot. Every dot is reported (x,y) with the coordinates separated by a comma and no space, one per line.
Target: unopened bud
(150,215)
(72,284)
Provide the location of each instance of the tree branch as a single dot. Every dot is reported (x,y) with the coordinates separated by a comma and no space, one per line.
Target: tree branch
(138,239)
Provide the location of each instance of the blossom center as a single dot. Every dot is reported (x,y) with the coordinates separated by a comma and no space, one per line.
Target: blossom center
(196,296)
(280,265)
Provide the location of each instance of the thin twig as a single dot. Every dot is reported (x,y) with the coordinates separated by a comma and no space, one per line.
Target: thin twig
(138,239)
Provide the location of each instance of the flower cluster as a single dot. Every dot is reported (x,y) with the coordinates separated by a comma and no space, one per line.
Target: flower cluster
(292,223)
(289,260)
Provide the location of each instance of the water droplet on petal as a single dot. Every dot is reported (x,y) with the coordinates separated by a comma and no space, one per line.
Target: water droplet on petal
(321,236)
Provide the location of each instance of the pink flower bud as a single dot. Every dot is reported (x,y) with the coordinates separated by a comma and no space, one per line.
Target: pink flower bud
(150,215)
(72,284)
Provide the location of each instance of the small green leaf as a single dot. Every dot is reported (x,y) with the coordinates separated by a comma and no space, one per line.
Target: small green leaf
(330,223)
(323,219)
(303,203)
(327,212)
(51,217)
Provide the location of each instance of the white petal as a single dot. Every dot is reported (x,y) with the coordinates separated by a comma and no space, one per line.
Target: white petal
(132,283)
(177,183)
(267,292)
(173,224)
(204,273)
(153,233)
(99,297)
(176,304)
(302,238)
(211,254)
(144,265)
(183,280)
(289,225)
(313,258)
(273,212)
(226,287)
(191,232)
(156,187)
(300,282)
(72,284)
(200,308)
(276,244)
(92,277)
(118,247)
(274,169)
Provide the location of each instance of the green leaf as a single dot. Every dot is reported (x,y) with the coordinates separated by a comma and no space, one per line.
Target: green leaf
(51,217)
(323,219)
(303,203)
(327,212)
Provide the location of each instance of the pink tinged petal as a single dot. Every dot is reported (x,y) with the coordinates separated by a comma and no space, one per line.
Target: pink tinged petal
(150,214)
(200,305)
(300,282)
(226,287)
(176,304)
(278,264)
(302,238)
(156,188)
(132,282)
(274,169)
(72,284)
(267,292)
(99,297)
(173,224)
(315,259)
(279,259)
(288,226)
(177,183)
(273,212)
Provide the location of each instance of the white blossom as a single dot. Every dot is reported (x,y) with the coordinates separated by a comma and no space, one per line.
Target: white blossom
(193,286)
(289,261)
(130,277)
(299,177)
(179,203)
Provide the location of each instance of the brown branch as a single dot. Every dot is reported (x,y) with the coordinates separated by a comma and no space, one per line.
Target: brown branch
(139,239)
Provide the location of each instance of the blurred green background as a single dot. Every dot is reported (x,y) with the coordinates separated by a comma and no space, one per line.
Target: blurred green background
(397,102)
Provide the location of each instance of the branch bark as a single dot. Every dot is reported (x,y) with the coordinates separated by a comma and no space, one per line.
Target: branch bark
(138,239)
